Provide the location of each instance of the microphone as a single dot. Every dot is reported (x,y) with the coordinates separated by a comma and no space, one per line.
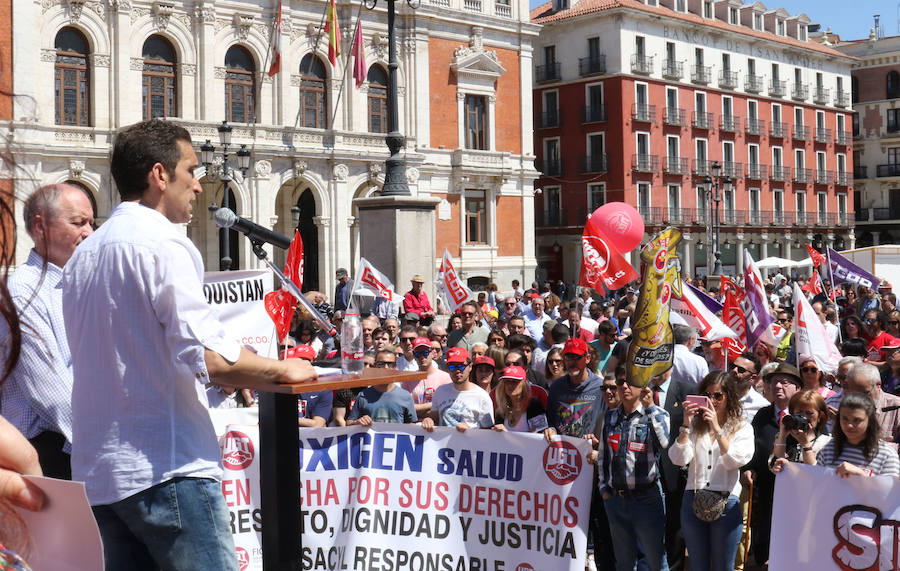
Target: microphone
(225,218)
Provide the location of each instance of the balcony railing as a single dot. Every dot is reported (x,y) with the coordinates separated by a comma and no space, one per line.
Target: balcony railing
(887,170)
(728,79)
(503,10)
(703,120)
(641,64)
(593,164)
(780,173)
(802,176)
(824,176)
(650,213)
(890,213)
(734,170)
(553,167)
(676,215)
(551,119)
(592,65)
(701,74)
(677,165)
(800,92)
(841,99)
(548,72)
(860,172)
(841,219)
(778,130)
(801,132)
(675,116)
(593,113)
(673,69)
(777,88)
(842,138)
(701,167)
(802,218)
(843,178)
(754,83)
(645,163)
(755,126)
(730,123)
(821,95)
(823,135)
(643,112)
(757,172)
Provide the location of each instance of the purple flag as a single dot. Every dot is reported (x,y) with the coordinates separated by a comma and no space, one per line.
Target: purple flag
(845,271)
(755,306)
(709,301)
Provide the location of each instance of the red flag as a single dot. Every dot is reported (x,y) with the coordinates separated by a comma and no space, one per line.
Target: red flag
(293,265)
(359,56)
(727,284)
(733,348)
(276,45)
(280,306)
(814,286)
(733,316)
(601,263)
(817,258)
(334,33)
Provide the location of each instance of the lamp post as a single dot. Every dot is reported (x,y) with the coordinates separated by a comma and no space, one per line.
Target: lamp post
(394,172)
(224,173)
(713,200)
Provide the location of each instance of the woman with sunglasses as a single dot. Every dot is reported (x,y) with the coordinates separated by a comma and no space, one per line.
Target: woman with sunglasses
(517,409)
(893,324)
(813,378)
(880,341)
(554,367)
(714,442)
(496,338)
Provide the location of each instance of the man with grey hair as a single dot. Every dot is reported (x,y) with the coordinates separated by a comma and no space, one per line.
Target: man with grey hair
(686,365)
(865,379)
(37,397)
(840,377)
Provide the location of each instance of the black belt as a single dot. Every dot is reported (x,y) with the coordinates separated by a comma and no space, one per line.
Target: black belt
(636,491)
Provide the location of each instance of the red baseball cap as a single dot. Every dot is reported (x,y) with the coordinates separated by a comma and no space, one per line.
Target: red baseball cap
(514,372)
(576,346)
(484,360)
(535,295)
(457,355)
(421,342)
(300,352)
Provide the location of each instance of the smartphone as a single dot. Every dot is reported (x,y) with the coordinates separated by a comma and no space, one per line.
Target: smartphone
(700,400)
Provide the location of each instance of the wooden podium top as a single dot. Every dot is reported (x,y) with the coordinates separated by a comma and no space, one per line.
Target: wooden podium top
(345,381)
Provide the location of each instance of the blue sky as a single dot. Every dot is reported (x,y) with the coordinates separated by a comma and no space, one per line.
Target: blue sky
(851,20)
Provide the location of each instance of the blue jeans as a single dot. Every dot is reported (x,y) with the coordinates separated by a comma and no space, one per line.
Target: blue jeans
(182,523)
(712,546)
(639,517)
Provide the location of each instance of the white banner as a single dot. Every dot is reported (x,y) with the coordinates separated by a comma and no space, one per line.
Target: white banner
(448,284)
(239,299)
(812,339)
(398,498)
(821,521)
(371,279)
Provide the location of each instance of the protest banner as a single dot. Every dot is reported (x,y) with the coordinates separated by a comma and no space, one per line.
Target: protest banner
(239,298)
(845,271)
(821,521)
(370,279)
(692,311)
(755,305)
(449,285)
(810,335)
(602,264)
(395,497)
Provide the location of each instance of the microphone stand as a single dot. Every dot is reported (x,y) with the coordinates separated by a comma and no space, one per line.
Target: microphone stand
(292,287)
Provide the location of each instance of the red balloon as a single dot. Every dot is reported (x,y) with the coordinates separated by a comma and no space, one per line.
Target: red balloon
(621,224)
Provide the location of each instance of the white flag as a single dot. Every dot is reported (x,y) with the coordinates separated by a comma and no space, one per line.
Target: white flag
(371,279)
(811,338)
(455,292)
(694,313)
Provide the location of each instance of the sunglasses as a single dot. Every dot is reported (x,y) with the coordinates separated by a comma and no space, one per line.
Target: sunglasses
(609,388)
(783,320)
(423,353)
(510,303)
(513,363)
(870,321)
(893,322)
(572,356)
(741,370)
(809,369)
(554,361)
(456,367)
(467,313)
(407,339)
(385,364)
(716,396)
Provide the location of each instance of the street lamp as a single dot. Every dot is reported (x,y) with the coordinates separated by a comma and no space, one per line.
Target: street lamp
(394,171)
(712,182)
(225,173)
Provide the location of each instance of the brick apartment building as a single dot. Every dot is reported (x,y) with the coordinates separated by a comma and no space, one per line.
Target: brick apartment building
(637,101)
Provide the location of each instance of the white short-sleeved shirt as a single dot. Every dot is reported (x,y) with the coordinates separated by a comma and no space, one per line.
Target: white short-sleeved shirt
(138,326)
(474,406)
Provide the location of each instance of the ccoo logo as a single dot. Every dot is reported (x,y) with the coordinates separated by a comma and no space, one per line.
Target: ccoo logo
(596,262)
(562,463)
(243,558)
(237,450)
(524,567)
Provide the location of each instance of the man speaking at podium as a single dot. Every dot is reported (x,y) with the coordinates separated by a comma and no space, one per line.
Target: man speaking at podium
(144,344)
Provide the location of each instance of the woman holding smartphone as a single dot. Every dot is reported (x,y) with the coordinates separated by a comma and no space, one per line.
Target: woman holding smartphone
(714,442)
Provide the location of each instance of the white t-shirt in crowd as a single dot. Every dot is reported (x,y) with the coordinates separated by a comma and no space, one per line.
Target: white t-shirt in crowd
(473,406)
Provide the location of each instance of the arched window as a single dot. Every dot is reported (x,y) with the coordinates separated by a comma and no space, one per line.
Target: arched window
(240,86)
(313,100)
(158,86)
(893,85)
(378,82)
(72,79)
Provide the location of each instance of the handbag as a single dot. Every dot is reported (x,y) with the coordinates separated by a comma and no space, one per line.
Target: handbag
(709,504)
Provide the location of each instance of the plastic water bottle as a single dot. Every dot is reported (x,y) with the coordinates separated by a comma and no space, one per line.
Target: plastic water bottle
(351,344)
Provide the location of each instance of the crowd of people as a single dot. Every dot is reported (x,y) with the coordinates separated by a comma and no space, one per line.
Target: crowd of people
(683,464)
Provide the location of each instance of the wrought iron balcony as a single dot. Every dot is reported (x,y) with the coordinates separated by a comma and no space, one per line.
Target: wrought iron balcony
(734,170)
(843,178)
(821,95)
(780,173)
(643,112)
(677,165)
(777,88)
(728,79)
(645,163)
(701,74)
(802,176)
(730,123)
(755,126)
(824,176)
(592,65)
(887,170)
(801,132)
(754,83)
(701,167)
(548,72)
(800,92)
(593,164)
(802,218)
(593,113)
(778,130)
(842,138)
(650,213)
(841,99)
(861,214)
(551,119)
(673,69)
(703,120)
(675,116)
(841,219)
(757,172)
(823,135)
(552,167)
(860,172)
(641,64)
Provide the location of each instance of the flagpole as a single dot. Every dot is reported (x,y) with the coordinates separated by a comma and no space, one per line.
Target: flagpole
(347,57)
(309,65)
(831,283)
